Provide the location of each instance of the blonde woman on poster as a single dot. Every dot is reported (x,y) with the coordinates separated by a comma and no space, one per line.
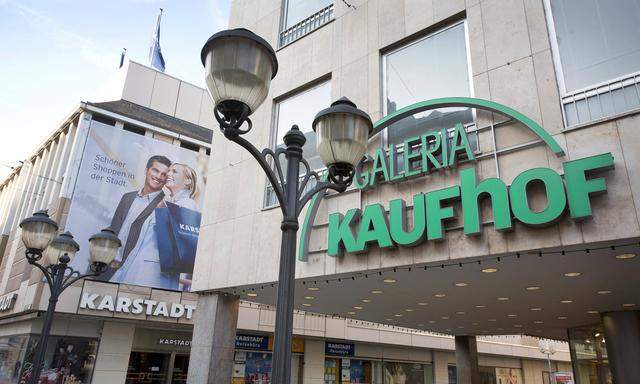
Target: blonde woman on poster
(182,184)
(182,187)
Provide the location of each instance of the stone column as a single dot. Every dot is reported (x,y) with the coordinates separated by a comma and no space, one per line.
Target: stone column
(622,335)
(116,340)
(214,339)
(467,369)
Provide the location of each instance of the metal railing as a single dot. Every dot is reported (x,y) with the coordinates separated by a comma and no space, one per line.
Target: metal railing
(306,26)
(602,101)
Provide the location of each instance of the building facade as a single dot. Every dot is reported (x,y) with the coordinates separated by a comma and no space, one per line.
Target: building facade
(78,174)
(100,336)
(481,207)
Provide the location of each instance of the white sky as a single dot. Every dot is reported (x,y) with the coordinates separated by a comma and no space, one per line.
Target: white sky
(57,53)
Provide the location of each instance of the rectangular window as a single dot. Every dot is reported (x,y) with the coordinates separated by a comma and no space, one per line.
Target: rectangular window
(67,359)
(304,16)
(300,109)
(12,353)
(432,67)
(597,54)
(135,129)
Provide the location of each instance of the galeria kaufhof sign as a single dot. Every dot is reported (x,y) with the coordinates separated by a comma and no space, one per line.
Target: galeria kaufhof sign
(355,230)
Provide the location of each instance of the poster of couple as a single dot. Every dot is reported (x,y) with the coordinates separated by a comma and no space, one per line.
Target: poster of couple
(150,193)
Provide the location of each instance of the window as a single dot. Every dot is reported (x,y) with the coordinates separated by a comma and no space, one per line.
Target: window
(490,375)
(135,129)
(189,146)
(597,54)
(300,109)
(103,119)
(304,16)
(12,351)
(432,67)
(298,10)
(67,359)
(407,373)
(589,355)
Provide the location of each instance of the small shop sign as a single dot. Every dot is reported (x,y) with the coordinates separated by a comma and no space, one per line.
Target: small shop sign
(339,349)
(253,342)
(174,342)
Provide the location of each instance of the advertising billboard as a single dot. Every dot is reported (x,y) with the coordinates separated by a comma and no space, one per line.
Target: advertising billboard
(150,193)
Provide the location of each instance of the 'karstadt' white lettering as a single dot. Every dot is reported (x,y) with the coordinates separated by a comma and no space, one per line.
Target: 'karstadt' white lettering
(121,304)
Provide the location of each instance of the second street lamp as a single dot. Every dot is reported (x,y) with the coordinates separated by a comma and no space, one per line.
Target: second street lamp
(52,256)
(239,67)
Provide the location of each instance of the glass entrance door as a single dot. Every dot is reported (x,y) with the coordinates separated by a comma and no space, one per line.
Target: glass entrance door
(148,368)
(180,368)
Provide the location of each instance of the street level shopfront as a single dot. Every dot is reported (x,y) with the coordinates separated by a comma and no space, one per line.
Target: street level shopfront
(499,195)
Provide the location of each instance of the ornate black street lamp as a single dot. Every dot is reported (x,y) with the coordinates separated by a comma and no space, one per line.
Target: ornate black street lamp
(239,67)
(52,256)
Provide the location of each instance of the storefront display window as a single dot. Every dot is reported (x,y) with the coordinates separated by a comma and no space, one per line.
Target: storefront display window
(68,360)
(12,351)
(407,373)
(589,355)
(255,368)
(148,368)
(347,370)
(491,375)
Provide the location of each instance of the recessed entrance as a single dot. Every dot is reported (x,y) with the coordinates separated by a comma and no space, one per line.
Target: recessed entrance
(157,368)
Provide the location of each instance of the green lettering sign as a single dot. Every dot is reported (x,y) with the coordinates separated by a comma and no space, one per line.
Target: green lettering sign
(341,233)
(579,186)
(373,228)
(472,193)
(426,219)
(436,213)
(554,189)
(400,232)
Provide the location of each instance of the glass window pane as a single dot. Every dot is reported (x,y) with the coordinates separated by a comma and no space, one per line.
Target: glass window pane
(298,10)
(67,359)
(403,373)
(12,350)
(300,109)
(596,41)
(430,68)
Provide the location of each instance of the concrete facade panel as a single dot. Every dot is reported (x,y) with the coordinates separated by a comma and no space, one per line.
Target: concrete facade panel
(189,102)
(505,30)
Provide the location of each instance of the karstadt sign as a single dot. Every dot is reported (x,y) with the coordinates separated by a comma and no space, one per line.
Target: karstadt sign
(121,304)
(355,230)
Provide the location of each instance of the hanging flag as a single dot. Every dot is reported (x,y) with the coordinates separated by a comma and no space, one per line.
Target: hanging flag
(124,52)
(155,54)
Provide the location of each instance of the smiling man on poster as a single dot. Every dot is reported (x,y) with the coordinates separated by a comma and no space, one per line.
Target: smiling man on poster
(134,223)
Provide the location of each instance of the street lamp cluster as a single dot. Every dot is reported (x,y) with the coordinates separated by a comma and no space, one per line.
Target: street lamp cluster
(52,255)
(239,66)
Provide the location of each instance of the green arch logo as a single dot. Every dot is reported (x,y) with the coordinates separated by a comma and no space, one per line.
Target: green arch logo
(468,102)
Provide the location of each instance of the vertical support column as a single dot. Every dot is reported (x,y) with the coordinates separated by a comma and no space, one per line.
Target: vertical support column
(622,333)
(116,340)
(467,360)
(214,339)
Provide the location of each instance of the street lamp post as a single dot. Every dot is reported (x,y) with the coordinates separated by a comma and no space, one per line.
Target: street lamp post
(547,349)
(239,68)
(52,256)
